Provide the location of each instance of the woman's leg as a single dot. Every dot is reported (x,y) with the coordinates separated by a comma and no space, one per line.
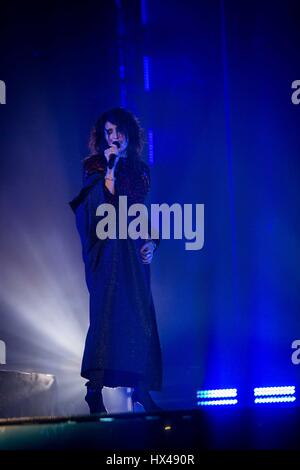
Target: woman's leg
(141,395)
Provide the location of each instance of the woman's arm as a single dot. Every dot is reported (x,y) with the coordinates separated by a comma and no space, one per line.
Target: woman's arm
(110,179)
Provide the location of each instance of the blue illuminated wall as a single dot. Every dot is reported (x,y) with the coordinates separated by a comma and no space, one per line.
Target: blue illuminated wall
(227,135)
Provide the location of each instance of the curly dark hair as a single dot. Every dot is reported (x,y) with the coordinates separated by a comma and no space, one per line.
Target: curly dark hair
(127,123)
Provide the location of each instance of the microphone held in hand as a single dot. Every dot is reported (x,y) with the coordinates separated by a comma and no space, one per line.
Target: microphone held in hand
(113,157)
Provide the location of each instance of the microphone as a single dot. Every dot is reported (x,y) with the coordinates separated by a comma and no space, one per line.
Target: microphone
(113,157)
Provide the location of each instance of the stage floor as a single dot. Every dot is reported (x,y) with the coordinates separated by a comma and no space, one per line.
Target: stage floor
(265,427)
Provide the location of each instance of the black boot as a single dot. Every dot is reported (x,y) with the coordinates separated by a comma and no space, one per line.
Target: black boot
(143,397)
(94,399)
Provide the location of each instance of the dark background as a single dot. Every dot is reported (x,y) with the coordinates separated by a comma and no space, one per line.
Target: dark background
(225,134)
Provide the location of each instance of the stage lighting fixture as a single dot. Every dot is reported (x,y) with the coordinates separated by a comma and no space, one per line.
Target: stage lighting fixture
(278,394)
(226,396)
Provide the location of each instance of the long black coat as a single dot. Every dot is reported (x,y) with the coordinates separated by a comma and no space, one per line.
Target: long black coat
(122,345)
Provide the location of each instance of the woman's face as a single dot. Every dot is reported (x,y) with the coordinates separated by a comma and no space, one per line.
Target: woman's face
(112,134)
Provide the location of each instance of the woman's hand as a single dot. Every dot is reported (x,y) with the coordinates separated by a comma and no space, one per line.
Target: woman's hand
(112,150)
(147,251)
(110,172)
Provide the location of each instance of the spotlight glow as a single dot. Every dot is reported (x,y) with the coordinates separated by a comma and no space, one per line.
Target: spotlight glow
(44,298)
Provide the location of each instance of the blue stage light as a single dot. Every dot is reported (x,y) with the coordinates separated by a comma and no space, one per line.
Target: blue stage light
(217,402)
(275,399)
(122,72)
(144,12)
(146,74)
(150,147)
(217,393)
(123,95)
(282,390)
